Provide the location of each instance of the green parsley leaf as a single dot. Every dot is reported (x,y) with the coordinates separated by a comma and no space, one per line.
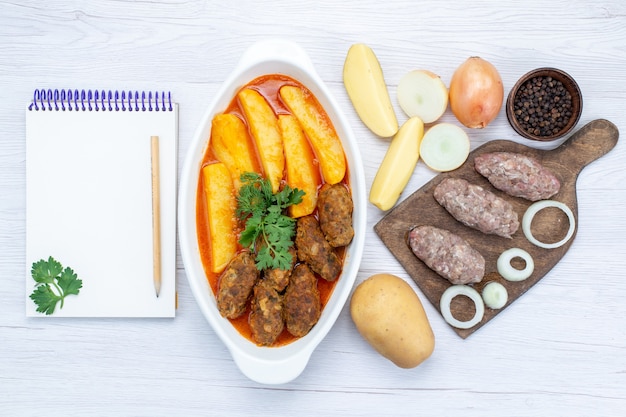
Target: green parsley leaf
(45,299)
(250,234)
(268,231)
(69,282)
(53,284)
(45,272)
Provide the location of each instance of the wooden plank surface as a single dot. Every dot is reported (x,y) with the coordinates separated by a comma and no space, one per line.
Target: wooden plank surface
(557,351)
(550,225)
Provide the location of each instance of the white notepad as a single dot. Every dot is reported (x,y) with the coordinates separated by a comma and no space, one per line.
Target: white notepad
(89,199)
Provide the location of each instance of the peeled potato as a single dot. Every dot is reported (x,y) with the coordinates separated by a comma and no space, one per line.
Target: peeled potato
(263,125)
(221,204)
(302,172)
(365,85)
(398,164)
(421,93)
(231,145)
(389,315)
(325,142)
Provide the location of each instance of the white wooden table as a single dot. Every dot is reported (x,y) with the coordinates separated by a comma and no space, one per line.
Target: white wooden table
(559,350)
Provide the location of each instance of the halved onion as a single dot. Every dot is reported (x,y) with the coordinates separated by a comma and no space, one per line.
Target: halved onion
(421,93)
(445,147)
(537,207)
(446,300)
(507,270)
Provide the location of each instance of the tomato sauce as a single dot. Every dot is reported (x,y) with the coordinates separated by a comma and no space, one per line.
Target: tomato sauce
(268,86)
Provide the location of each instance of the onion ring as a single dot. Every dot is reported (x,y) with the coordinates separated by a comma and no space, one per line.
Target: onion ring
(534,209)
(495,295)
(472,294)
(513,274)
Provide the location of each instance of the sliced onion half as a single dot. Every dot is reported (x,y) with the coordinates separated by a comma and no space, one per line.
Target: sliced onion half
(422,93)
(472,294)
(444,147)
(495,295)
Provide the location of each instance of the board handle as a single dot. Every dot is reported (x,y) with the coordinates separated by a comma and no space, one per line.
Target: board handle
(589,143)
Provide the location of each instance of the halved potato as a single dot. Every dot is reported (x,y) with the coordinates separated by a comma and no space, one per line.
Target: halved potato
(302,171)
(398,164)
(221,204)
(366,87)
(232,146)
(263,125)
(321,133)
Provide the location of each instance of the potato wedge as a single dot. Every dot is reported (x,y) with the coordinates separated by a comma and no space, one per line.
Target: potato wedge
(302,172)
(319,129)
(221,204)
(365,85)
(263,125)
(232,146)
(398,164)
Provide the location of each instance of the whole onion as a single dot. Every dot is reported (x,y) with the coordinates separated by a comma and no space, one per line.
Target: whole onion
(476,93)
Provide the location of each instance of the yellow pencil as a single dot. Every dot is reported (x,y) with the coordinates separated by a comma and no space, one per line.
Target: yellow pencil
(156,214)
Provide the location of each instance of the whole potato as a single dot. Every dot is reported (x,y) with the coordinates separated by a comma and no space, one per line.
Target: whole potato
(390,316)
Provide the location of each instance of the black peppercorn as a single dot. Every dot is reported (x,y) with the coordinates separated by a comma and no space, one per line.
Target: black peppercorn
(542,106)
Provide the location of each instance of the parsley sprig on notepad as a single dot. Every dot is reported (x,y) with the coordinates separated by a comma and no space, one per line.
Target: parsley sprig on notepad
(53,284)
(268,231)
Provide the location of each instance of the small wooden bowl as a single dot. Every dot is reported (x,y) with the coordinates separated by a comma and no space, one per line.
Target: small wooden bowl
(568,83)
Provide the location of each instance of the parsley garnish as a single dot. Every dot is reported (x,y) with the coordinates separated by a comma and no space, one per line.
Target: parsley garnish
(53,284)
(268,231)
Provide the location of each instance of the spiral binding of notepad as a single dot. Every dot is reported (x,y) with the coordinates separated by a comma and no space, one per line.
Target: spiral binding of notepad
(100,100)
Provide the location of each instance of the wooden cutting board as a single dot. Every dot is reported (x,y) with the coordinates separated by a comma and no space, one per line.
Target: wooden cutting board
(549,225)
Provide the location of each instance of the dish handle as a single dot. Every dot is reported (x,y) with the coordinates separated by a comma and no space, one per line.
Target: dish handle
(278,50)
(272,371)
